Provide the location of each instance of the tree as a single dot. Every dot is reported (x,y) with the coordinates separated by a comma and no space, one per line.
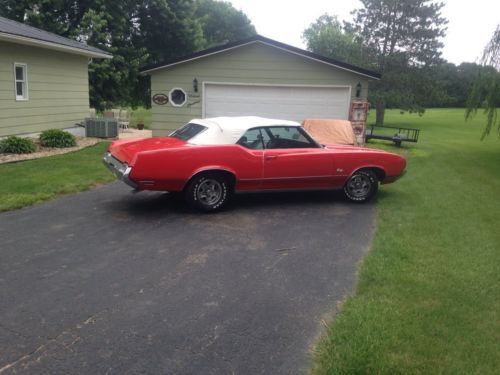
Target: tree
(116,81)
(405,35)
(136,32)
(14,9)
(485,92)
(452,83)
(326,36)
(221,23)
(105,24)
(168,29)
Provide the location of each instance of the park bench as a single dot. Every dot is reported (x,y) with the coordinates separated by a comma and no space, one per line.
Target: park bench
(392,133)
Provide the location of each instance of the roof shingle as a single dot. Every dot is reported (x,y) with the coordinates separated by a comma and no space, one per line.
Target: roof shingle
(15,28)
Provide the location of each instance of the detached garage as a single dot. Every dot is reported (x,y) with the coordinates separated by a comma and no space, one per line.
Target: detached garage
(258,76)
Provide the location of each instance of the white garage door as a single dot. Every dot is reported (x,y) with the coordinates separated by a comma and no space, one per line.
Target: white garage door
(282,102)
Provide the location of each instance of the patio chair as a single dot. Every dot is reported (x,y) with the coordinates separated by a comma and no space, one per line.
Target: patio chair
(124,119)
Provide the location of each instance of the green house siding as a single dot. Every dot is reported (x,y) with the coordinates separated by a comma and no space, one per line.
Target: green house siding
(58,89)
(255,63)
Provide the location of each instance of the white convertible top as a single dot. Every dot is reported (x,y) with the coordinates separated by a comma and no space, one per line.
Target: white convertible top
(228,130)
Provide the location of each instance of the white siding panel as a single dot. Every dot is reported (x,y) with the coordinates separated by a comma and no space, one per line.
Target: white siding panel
(283,102)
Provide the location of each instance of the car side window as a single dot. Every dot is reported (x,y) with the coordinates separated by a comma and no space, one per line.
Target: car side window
(288,137)
(252,139)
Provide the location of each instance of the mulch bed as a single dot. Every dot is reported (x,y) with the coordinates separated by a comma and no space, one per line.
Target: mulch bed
(81,142)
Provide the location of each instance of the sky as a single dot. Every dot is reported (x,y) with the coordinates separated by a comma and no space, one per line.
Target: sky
(471,23)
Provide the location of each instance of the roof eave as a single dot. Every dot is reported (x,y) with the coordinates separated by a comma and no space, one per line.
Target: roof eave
(52,46)
(271,43)
(201,56)
(367,75)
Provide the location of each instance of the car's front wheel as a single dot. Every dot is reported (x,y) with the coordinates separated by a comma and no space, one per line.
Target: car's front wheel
(208,192)
(361,186)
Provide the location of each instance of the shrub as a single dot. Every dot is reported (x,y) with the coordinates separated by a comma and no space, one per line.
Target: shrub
(17,145)
(57,138)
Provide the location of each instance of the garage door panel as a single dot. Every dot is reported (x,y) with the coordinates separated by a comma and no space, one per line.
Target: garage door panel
(287,102)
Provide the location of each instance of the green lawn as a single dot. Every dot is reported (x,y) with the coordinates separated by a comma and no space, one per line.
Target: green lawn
(29,182)
(428,294)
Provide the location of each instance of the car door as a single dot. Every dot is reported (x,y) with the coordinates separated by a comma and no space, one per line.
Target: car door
(292,160)
(250,161)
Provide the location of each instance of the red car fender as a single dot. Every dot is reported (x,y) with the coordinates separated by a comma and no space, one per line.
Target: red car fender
(390,172)
(209,168)
(379,167)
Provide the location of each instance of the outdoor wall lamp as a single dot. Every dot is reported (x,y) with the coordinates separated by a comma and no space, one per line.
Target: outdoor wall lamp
(358,90)
(195,85)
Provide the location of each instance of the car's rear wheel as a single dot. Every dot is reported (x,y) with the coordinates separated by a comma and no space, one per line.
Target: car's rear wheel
(208,192)
(361,186)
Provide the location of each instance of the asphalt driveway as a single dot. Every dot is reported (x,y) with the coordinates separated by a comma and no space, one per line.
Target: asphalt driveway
(107,282)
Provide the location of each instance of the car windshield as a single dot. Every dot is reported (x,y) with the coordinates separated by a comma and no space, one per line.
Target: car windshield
(188,131)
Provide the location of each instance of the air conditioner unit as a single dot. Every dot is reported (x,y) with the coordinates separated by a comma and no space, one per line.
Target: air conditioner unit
(101,127)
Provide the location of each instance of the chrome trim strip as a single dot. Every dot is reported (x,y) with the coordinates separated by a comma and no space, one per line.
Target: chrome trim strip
(283,178)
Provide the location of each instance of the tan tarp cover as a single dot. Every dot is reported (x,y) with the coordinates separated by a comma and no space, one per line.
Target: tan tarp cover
(328,131)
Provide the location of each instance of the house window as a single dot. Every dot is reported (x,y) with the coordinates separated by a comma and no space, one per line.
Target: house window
(21,81)
(178,97)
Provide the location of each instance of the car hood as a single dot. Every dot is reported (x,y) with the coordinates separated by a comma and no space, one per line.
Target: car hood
(127,150)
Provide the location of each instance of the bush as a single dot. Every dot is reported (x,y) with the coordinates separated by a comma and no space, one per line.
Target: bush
(17,145)
(57,138)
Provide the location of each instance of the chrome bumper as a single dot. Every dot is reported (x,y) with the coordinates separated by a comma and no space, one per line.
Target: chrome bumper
(119,169)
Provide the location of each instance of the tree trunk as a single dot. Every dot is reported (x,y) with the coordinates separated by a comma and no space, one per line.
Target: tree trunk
(380,113)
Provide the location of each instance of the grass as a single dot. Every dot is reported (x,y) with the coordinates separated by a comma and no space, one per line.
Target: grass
(428,293)
(30,182)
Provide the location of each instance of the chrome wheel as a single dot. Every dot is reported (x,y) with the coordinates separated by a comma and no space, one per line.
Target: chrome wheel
(209,192)
(361,186)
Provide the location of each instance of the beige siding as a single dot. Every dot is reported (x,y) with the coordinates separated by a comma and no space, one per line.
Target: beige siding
(256,63)
(58,90)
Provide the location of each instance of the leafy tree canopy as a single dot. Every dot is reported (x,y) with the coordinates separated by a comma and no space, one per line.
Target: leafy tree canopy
(326,36)
(411,27)
(222,23)
(405,35)
(485,92)
(136,32)
(399,38)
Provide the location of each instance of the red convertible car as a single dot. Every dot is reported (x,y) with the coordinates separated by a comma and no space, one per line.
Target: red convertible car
(209,159)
